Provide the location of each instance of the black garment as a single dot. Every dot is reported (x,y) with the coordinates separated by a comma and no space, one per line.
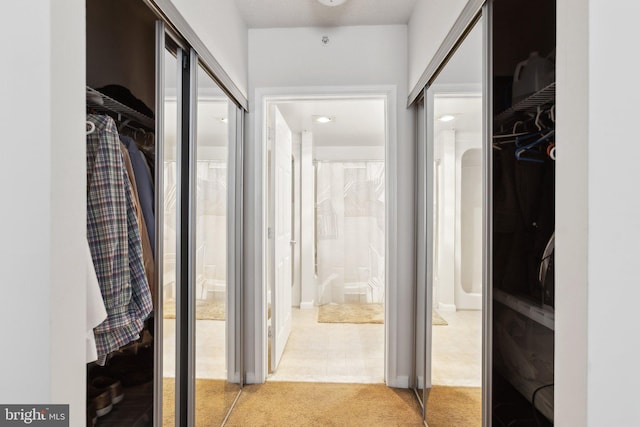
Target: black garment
(124,96)
(524,219)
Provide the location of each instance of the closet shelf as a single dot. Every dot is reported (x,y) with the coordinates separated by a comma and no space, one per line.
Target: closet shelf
(105,104)
(530,104)
(542,315)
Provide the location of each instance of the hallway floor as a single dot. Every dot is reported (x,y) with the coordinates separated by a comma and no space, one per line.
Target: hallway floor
(344,353)
(210,349)
(457,350)
(331,352)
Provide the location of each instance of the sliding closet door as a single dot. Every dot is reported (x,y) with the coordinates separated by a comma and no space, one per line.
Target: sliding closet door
(455,170)
(199,209)
(168,116)
(421,257)
(213,241)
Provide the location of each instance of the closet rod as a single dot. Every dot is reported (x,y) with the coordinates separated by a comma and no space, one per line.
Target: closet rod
(105,104)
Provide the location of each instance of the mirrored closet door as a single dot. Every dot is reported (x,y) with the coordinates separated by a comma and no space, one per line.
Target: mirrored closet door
(421,257)
(212,296)
(201,372)
(454,263)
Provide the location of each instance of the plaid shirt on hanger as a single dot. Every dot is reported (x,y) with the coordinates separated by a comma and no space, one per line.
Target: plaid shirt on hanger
(114,239)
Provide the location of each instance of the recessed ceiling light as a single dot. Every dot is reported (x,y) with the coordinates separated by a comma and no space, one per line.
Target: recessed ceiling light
(323,119)
(446,118)
(331,3)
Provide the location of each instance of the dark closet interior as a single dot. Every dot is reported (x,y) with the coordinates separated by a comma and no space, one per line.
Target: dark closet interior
(120,109)
(523,180)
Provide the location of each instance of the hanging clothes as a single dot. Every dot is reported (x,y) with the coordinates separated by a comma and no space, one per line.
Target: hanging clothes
(144,184)
(147,251)
(96,313)
(114,239)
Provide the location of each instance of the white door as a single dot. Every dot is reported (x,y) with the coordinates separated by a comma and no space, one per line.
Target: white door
(280,236)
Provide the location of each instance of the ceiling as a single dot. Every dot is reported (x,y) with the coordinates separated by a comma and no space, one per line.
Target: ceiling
(357,122)
(310,13)
(466,110)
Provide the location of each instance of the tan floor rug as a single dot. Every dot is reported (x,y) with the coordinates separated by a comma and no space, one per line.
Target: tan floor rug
(437,320)
(213,400)
(454,406)
(205,310)
(361,313)
(351,313)
(315,404)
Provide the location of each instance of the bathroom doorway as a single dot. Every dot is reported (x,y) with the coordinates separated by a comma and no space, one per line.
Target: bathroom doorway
(326,161)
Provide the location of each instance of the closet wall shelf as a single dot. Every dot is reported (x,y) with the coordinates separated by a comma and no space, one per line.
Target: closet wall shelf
(102,103)
(541,98)
(542,315)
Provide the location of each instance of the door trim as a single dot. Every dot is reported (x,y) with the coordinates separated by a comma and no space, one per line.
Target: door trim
(263,96)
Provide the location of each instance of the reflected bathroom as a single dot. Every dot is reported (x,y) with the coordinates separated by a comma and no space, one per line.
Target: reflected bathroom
(338,223)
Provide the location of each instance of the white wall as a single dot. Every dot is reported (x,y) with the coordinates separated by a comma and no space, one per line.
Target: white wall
(224,32)
(597,211)
(296,150)
(429,24)
(42,223)
(307,217)
(373,55)
(614,214)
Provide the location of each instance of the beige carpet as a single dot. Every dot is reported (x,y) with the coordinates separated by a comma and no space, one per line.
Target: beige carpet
(213,400)
(454,406)
(320,404)
(205,310)
(317,404)
(360,313)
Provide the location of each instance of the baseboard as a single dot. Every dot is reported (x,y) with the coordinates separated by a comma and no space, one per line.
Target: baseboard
(306,305)
(401,381)
(446,307)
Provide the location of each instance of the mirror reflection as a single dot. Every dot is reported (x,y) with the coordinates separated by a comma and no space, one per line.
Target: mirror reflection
(170,233)
(421,248)
(455,148)
(214,394)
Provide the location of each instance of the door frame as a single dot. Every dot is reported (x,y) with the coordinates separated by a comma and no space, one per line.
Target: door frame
(257,315)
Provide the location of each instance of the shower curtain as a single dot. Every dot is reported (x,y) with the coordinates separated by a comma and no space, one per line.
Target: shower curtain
(211,225)
(350,221)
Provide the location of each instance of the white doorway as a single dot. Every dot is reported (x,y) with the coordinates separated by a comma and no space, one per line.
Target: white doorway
(325,314)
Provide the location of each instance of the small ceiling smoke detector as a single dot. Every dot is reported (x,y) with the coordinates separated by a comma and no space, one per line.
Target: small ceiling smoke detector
(331,3)
(446,118)
(322,119)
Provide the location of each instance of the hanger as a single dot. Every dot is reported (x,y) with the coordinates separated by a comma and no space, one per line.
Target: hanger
(91,127)
(518,138)
(551,150)
(520,151)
